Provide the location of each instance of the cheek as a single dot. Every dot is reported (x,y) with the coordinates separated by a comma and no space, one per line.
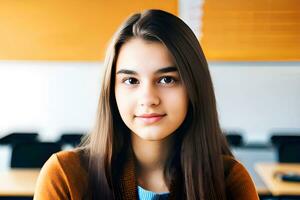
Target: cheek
(176,100)
(124,103)
(176,104)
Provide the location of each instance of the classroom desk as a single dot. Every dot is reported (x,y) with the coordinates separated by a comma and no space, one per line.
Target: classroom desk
(18,182)
(277,187)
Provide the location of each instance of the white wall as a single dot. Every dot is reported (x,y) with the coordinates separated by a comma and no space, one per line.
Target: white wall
(52,97)
(48,97)
(258,98)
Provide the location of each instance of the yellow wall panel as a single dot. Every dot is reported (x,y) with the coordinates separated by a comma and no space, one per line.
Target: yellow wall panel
(256,30)
(64,30)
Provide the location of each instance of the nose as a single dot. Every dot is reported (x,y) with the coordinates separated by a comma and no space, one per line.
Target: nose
(148,95)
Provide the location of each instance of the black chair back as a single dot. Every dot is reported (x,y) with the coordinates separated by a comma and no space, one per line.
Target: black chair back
(73,139)
(32,154)
(234,139)
(287,148)
(19,137)
(277,139)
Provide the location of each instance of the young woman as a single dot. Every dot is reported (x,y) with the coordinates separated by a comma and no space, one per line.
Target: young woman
(157,134)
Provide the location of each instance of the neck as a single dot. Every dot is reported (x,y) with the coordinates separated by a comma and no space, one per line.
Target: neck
(151,158)
(151,155)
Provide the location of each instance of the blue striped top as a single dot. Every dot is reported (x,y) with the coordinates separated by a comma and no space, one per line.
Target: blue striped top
(149,195)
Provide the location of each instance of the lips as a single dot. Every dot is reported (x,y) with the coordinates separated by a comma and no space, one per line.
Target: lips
(150,118)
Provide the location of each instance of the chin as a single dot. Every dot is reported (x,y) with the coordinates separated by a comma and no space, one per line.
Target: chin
(152,137)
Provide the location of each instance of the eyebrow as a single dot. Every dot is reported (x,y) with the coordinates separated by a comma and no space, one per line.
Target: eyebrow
(159,71)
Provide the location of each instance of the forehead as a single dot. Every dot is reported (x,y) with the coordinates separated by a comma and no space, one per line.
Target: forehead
(140,55)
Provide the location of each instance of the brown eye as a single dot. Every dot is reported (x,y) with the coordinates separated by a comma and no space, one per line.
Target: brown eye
(167,80)
(131,81)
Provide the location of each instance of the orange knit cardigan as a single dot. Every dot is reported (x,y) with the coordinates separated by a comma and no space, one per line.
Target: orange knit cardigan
(64,178)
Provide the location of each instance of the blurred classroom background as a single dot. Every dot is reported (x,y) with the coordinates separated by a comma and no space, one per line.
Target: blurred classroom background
(51,62)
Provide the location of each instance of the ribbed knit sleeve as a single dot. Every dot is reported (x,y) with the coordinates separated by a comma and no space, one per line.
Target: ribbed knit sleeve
(239,185)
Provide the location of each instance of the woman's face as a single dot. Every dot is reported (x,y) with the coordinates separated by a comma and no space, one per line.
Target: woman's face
(150,95)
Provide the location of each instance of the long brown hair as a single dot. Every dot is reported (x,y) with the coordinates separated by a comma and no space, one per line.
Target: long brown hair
(200,144)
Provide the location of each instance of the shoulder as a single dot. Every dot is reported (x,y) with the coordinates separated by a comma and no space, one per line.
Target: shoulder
(65,162)
(239,184)
(62,177)
(68,158)
(234,170)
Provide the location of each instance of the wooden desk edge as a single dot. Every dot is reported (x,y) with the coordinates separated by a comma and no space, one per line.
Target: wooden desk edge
(257,168)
